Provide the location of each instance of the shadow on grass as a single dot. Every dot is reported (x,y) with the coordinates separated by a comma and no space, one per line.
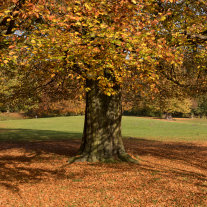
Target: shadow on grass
(31,156)
(35,135)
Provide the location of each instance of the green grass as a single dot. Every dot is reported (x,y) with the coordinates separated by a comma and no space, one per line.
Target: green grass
(72,127)
(42,129)
(147,128)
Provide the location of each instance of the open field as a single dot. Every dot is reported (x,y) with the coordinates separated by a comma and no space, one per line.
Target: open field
(172,169)
(71,127)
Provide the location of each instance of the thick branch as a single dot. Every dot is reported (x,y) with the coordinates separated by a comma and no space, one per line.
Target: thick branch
(202,37)
(11,24)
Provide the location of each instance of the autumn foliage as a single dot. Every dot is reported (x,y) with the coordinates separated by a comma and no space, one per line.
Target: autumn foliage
(103,48)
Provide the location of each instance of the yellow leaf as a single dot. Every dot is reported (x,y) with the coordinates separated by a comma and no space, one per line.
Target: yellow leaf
(87,89)
(87,6)
(162,18)
(11,53)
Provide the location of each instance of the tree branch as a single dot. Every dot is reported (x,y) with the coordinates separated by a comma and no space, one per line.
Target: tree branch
(202,37)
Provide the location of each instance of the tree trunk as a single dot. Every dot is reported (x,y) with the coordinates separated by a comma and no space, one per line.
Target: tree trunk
(168,116)
(102,139)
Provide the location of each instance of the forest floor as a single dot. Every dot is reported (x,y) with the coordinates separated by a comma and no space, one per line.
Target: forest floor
(36,173)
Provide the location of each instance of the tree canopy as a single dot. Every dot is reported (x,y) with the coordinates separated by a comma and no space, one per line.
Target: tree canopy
(80,39)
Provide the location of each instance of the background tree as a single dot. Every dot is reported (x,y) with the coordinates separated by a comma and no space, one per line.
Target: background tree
(161,98)
(200,106)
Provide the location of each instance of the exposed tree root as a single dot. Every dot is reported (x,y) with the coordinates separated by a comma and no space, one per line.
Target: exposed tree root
(124,157)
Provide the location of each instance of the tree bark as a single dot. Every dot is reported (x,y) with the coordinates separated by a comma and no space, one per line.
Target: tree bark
(102,139)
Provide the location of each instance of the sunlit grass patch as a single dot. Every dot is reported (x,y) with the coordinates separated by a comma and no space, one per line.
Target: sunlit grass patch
(72,127)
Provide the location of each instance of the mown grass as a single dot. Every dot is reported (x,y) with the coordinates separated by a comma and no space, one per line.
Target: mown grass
(178,130)
(55,128)
(72,127)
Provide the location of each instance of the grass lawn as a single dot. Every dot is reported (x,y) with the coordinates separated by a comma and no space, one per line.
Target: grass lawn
(172,169)
(57,128)
(178,130)
(71,127)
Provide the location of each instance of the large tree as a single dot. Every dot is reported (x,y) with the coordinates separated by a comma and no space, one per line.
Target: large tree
(102,44)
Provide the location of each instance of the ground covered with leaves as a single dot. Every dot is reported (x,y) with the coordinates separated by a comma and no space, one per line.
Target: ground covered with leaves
(168,174)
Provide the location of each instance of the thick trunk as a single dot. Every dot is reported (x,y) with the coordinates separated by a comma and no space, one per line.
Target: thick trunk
(102,139)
